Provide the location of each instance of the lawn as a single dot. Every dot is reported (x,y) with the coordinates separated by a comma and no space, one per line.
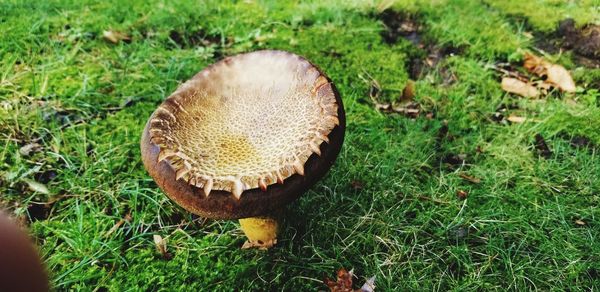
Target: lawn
(458,197)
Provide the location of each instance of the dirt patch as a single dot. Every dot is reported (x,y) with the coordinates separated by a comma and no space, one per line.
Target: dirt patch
(582,142)
(45,176)
(426,55)
(400,25)
(579,142)
(584,42)
(38,212)
(542,147)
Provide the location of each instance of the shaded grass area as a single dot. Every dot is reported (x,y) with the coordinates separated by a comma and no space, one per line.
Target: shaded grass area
(388,208)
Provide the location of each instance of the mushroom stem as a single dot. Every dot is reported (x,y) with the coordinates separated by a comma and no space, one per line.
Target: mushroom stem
(260,231)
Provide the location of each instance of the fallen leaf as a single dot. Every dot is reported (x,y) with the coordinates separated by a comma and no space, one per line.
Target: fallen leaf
(161,246)
(470,178)
(369,285)
(561,78)
(508,70)
(383,106)
(411,110)
(121,222)
(37,187)
(542,86)
(533,64)
(579,222)
(556,75)
(519,87)
(343,283)
(462,194)
(406,107)
(30,148)
(516,119)
(409,92)
(115,37)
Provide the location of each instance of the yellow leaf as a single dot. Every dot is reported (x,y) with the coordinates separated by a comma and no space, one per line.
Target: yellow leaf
(519,87)
(114,36)
(37,187)
(560,77)
(516,119)
(556,75)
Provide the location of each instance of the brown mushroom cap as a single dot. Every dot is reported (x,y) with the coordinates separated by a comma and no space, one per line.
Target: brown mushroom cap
(245,135)
(20,266)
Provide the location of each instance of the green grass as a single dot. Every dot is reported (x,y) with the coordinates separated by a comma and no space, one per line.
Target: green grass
(86,102)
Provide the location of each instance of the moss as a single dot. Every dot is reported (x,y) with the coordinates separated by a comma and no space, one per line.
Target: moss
(544,15)
(389,206)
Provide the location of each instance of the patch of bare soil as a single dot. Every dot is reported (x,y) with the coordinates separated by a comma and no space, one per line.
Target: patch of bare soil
(400,25)
(584,42)
(426,55)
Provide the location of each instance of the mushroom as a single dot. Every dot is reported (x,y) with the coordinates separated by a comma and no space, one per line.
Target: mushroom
(20,266)
(244,137)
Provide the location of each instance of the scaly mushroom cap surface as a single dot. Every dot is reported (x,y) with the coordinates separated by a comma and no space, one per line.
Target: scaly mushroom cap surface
(249,122)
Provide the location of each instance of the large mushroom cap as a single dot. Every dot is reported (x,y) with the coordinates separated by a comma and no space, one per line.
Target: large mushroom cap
(245,135)
(21,268)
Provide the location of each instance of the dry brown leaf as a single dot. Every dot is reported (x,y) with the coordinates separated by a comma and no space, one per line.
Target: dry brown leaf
(561,78)
(516,119)
(115,37)
(519,87)
(118,224)
(470,178)
(556,75)
(409,92)
(30,148)
(533,64)
(461,194)
(343,283)
(406,106)
(161,246)
(411,109)
(37,187)
(542,146)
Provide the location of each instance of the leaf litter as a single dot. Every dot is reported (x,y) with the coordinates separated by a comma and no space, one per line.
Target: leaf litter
(161,246)
(543,76)
(406,105)
(344,282)
(115,37)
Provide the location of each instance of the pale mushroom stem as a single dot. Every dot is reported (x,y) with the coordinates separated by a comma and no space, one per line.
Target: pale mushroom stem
(260,231)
